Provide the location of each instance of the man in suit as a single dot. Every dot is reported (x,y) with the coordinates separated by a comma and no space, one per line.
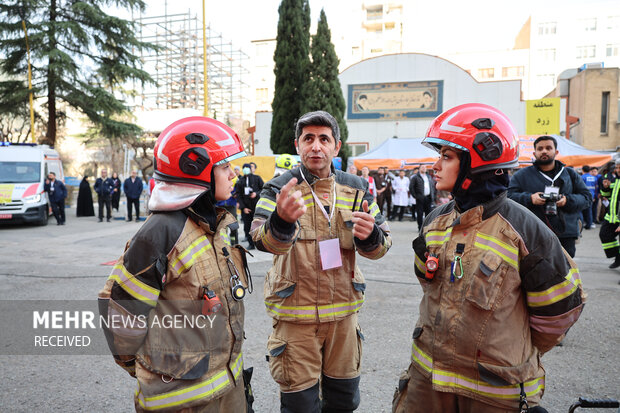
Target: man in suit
(104,188)
(247,190)
(133,189)
(422,189)
(57,192)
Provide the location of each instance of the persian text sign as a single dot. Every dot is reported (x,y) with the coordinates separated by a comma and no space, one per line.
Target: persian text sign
(542,116)
(400,100)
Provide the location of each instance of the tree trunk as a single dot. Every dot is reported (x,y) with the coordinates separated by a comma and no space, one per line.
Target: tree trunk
(50,134)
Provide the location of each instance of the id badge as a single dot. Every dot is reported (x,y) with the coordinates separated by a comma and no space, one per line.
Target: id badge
(248,190)
(330,254)
(552,190)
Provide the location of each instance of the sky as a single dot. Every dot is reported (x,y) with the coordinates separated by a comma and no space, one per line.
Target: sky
(446,26)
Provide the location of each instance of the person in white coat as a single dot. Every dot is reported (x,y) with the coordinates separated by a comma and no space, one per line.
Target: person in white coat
(400,199)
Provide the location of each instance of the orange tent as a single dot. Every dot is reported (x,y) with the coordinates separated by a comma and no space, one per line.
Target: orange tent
(407,153)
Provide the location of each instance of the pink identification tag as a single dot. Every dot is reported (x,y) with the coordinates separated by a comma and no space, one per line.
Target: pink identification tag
(330,253)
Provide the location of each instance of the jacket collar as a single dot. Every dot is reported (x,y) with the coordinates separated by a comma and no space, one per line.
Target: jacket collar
(480,212)
(311,178)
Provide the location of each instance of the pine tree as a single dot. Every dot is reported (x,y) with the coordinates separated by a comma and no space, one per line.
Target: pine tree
(80,57)
(324,91)
(291,69)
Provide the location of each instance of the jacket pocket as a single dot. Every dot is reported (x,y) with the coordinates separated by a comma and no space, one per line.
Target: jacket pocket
(276,354)
(487,282)
(507,375)
(344,225)
(277,288)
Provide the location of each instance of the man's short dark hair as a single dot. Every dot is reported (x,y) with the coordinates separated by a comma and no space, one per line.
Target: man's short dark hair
(546,138)
(52,173)
(317,118)
(585,168)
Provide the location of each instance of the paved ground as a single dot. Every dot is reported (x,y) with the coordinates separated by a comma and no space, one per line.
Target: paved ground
(56,262)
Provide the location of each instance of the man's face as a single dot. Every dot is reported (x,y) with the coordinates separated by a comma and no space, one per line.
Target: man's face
(617,169)
(365,172)
(545,152)
(51,177)
(381,171)
(317,147)
(593,171)
(133,174)
(401,173)
(423,169)
(104,173)
(253,167)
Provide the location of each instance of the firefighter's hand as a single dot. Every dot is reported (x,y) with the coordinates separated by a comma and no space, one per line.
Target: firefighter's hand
(289,204)
(537,198)
(363,223)
(562,201)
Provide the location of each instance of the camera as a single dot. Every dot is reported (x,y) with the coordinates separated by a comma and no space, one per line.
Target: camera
(551,200)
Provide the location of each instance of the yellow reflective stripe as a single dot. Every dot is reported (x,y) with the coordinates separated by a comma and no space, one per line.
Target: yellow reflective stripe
(454,380)
(607,245)
(420,265)
(438,237)
(374,209)
(341,308)
(507,252)
(186,263)
(267,204)
(268,239)
(133,286)
(556,293)
(291,311)
(201,390)
(224,236)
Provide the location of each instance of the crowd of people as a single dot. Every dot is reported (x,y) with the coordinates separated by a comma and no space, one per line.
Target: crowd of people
(499,288)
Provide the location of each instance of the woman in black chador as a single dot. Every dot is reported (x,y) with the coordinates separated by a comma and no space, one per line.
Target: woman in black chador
(85,200)
(116,195)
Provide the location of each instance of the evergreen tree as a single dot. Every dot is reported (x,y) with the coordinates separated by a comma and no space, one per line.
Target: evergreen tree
(291,69)
(79,55)
(324,91)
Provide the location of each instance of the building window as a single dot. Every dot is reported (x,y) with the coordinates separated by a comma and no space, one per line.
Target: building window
(378,50)
(546,28)
(585,52)
(512,71)
(487,73)
(358,148)
(261,95)
(374,13)
(589,25)
(546,55)
(613,22)
(604,113)
(612,50)
(546,81)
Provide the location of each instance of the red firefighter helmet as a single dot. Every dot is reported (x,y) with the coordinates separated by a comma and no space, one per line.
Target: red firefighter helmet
(187,150)
(483,131)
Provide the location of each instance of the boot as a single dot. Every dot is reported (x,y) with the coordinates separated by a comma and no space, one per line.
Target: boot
(340,395)
(616,262)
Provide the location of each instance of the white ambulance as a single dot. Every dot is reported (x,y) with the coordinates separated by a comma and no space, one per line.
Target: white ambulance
(23,170)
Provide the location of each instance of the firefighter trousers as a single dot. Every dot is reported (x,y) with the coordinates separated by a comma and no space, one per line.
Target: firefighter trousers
(304,357)
(609,239)
(415,394)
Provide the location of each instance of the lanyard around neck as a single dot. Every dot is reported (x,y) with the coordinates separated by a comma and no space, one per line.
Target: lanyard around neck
(554,178)
(318,201)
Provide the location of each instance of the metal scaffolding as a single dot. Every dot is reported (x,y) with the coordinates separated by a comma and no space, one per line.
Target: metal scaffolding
(177,68)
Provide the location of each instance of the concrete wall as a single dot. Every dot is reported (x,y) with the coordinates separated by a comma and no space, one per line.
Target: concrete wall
(458,88)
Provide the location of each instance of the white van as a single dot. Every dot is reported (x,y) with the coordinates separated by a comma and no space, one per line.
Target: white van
(23,170)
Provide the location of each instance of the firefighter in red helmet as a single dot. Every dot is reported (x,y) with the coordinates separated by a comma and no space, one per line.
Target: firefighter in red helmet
(499,290)
(181,266)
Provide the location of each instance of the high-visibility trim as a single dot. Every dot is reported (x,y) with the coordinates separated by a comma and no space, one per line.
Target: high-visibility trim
(340,308)
(374,209)
(508,253)
(378,252)
(266,204)
(225,237)
(203,390)
(345,203)
(420,265)
(271,243)
(556,293)
(190,254)
(612,213)
(133,286)
(557,324)
(308,200)
(438,237)
(309,311)
(458,381)
(609,245)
